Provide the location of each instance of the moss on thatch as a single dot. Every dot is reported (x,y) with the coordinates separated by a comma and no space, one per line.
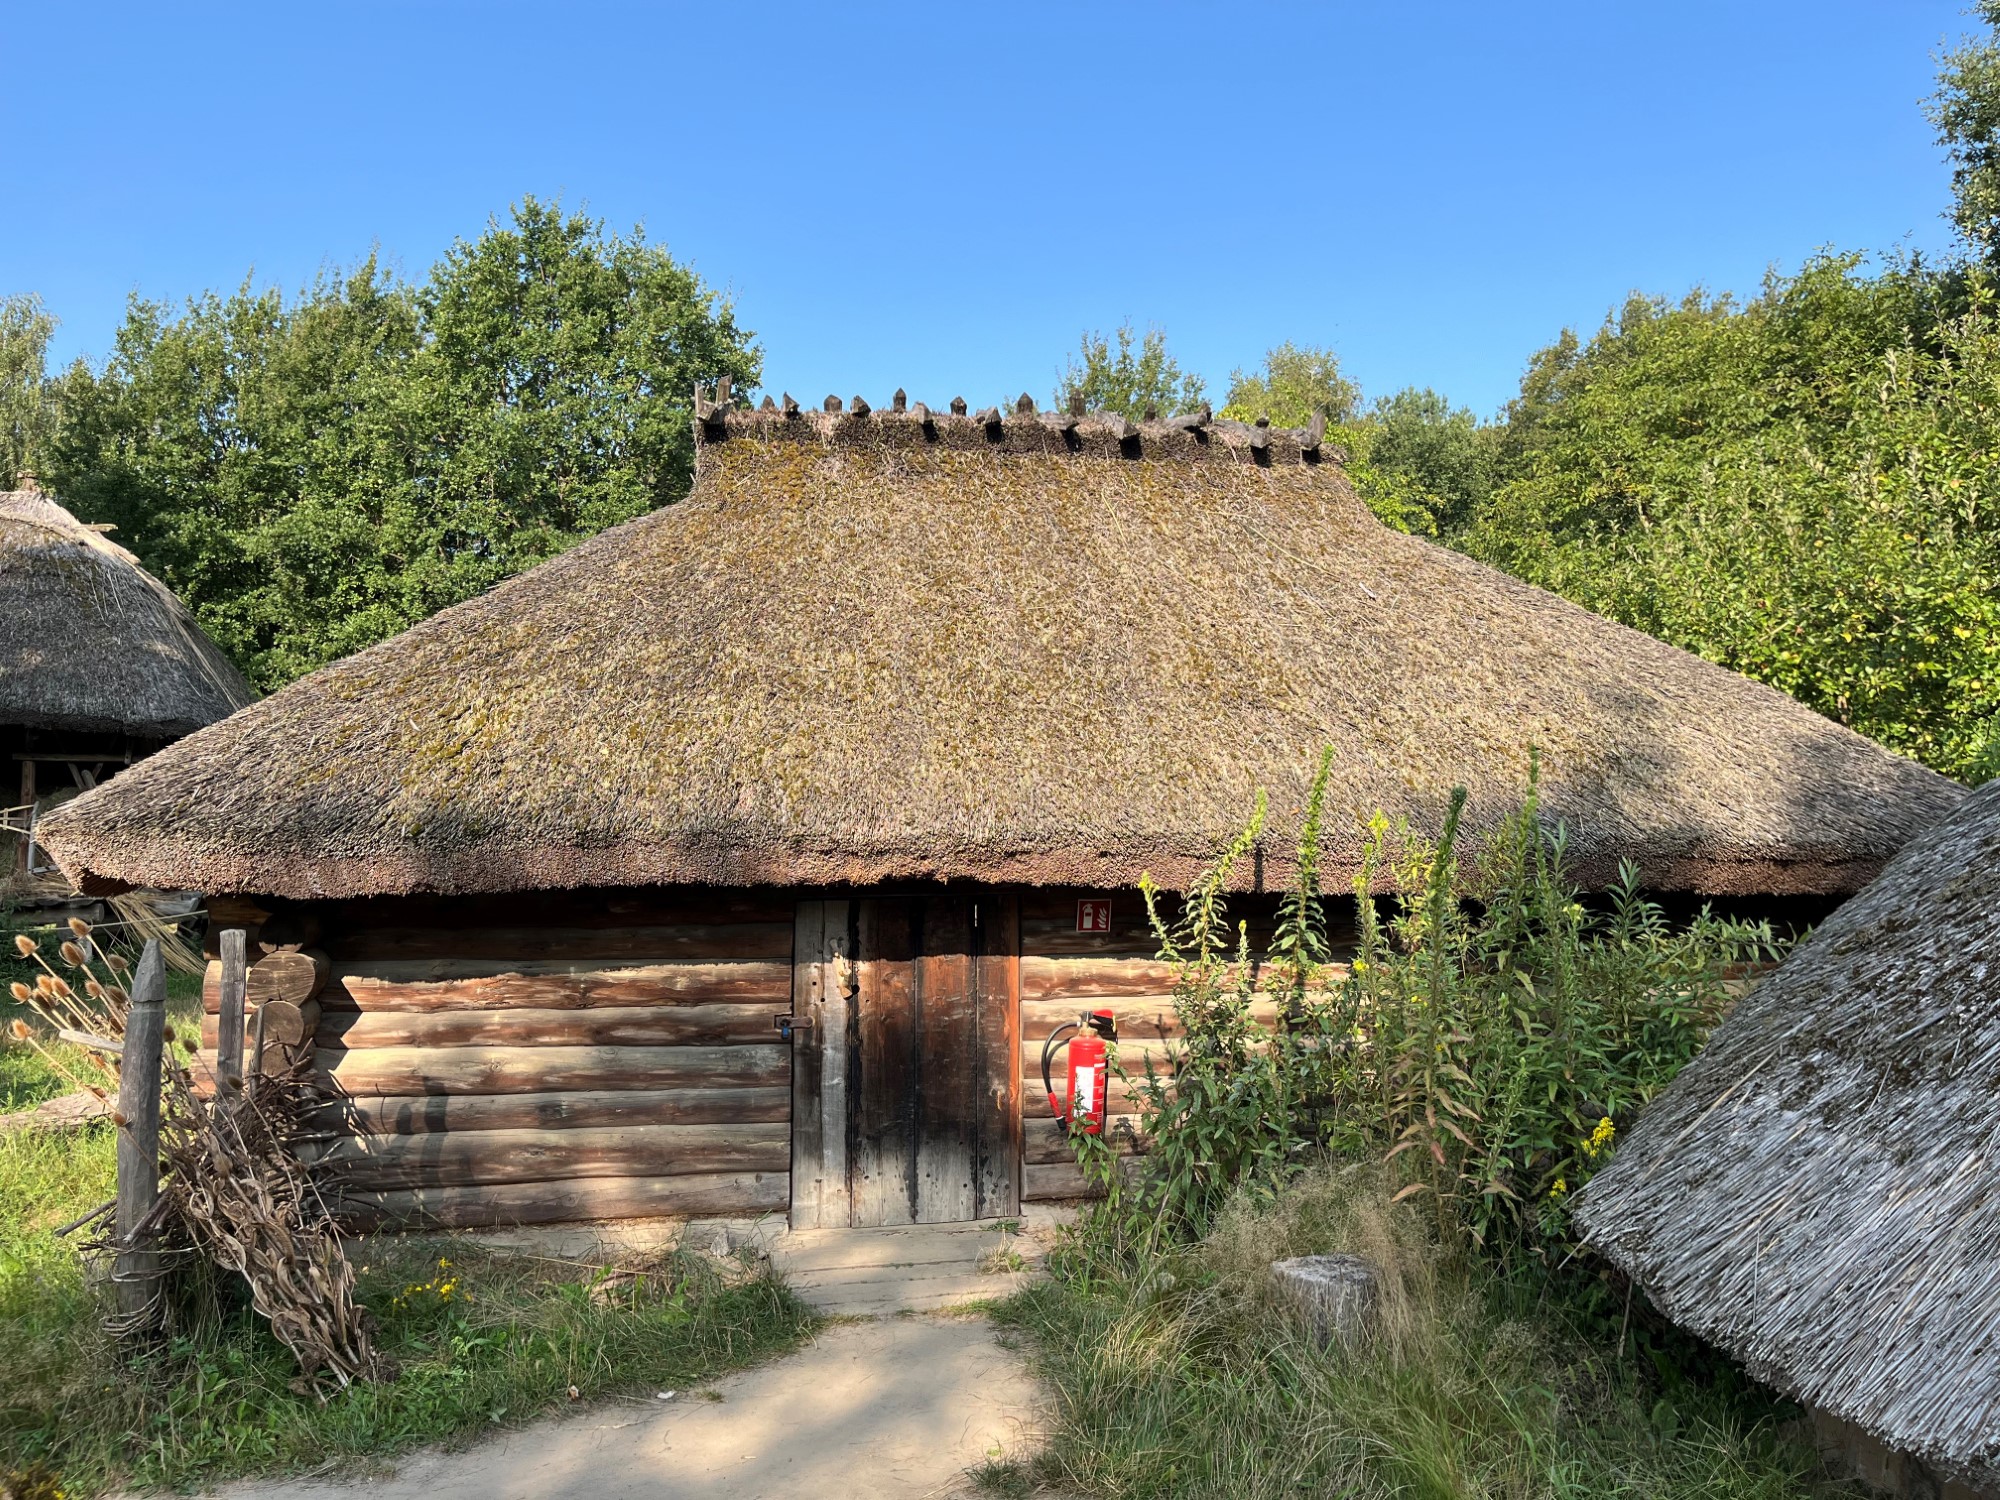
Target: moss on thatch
(1819,1191)
(1030,648)
(91,643)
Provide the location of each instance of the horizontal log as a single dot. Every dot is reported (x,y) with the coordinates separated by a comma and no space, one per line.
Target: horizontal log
(1120,1098)
(545,1070)
(294,976)
(633,907)
(731,1194)
(658,1026)
(1132,1055)
(450,984)
(1057,1180)
(1139,1019)
(403,1115)
(463,1158)
(707,941)
(1044,1141)
(1045,978)
(289,929)
(285,1024)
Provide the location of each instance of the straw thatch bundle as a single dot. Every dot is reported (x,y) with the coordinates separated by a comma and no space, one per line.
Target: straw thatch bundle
(91,643)
(1009,648)
(1819,1191)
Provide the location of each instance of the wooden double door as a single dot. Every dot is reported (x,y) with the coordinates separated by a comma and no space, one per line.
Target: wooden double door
(906,1071)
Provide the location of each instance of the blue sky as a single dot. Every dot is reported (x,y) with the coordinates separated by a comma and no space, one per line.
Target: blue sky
(942,197)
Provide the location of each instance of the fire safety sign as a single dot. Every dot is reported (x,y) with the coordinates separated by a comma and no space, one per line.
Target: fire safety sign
(1093,916)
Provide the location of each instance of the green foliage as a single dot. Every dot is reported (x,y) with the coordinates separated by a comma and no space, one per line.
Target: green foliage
(1438,458)
(27,400)
(1137,377)
(1294,382)
(1966,112)
(314,474)
(1179,1375)
(1802,489)
(1487,1036)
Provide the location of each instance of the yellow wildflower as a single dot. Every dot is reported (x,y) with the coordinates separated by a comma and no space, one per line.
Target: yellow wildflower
(1559,1189)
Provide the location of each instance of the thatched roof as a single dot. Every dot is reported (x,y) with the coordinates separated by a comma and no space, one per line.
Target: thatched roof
(92,643)
(1025,648)
(1819,1191)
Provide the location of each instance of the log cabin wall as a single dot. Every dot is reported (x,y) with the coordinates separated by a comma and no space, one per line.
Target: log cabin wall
(1066,971)
(563,1056)
(546,1057)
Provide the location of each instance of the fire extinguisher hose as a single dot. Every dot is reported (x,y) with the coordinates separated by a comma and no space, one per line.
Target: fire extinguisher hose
(1048,1061)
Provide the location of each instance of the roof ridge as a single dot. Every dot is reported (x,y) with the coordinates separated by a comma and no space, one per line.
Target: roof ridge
(36,507)
(1195,436)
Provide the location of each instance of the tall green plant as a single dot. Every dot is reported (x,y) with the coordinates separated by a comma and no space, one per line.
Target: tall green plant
(1485,1035)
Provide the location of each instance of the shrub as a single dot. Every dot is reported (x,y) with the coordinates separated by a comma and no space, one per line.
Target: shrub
(1486,1039)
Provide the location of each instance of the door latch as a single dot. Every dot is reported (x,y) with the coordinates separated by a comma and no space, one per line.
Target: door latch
(786,1025)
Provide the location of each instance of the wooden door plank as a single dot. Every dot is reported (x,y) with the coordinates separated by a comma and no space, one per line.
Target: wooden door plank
(949,1064)
(808,1075)
(881,1138)
(996,1164)
(821,993)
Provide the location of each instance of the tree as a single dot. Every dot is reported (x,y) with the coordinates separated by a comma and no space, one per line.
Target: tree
(1295,381)
(1966,111)
(314,474)
(27,405)
(1444,454)
(1132,380)
(1802,487)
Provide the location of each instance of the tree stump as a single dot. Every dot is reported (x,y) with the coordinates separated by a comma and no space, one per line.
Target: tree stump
(1335,1295)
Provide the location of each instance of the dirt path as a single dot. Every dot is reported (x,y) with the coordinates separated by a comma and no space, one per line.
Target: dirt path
(888,1408)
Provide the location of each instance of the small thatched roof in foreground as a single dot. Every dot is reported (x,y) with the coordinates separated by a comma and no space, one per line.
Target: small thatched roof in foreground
(91,643)
(1819,1191)
(1031,648)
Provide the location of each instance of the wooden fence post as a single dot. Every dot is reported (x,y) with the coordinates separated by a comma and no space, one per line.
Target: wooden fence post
(229,1024)
(136,1271)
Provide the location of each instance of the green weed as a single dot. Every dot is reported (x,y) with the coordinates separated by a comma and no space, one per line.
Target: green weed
(1178,1374)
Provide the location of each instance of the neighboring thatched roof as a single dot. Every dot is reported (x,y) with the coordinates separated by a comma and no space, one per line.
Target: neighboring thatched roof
(1047,649)
(92,643)
(1819,1191)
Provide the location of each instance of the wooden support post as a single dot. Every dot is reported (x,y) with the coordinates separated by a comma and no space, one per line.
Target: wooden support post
(24,852)
(136,1271)
(229,1024)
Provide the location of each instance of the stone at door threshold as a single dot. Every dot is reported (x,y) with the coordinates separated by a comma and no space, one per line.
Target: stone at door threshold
(910,1267)
(840,1272)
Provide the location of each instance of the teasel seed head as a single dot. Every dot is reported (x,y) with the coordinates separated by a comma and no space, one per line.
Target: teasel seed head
(80,927)
(26,946)
(72,955)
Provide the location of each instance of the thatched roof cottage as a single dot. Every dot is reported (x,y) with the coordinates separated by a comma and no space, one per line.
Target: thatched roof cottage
(100,665)
(1819,1191)
(879,729)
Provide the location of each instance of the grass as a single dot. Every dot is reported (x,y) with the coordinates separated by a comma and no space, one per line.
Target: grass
(1181,1377)
(482,1339)
(26,1076)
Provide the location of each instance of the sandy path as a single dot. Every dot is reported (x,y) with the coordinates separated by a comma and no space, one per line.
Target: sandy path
(888,1408)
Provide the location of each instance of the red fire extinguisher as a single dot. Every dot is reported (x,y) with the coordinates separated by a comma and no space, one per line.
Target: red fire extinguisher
(1083,1108)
